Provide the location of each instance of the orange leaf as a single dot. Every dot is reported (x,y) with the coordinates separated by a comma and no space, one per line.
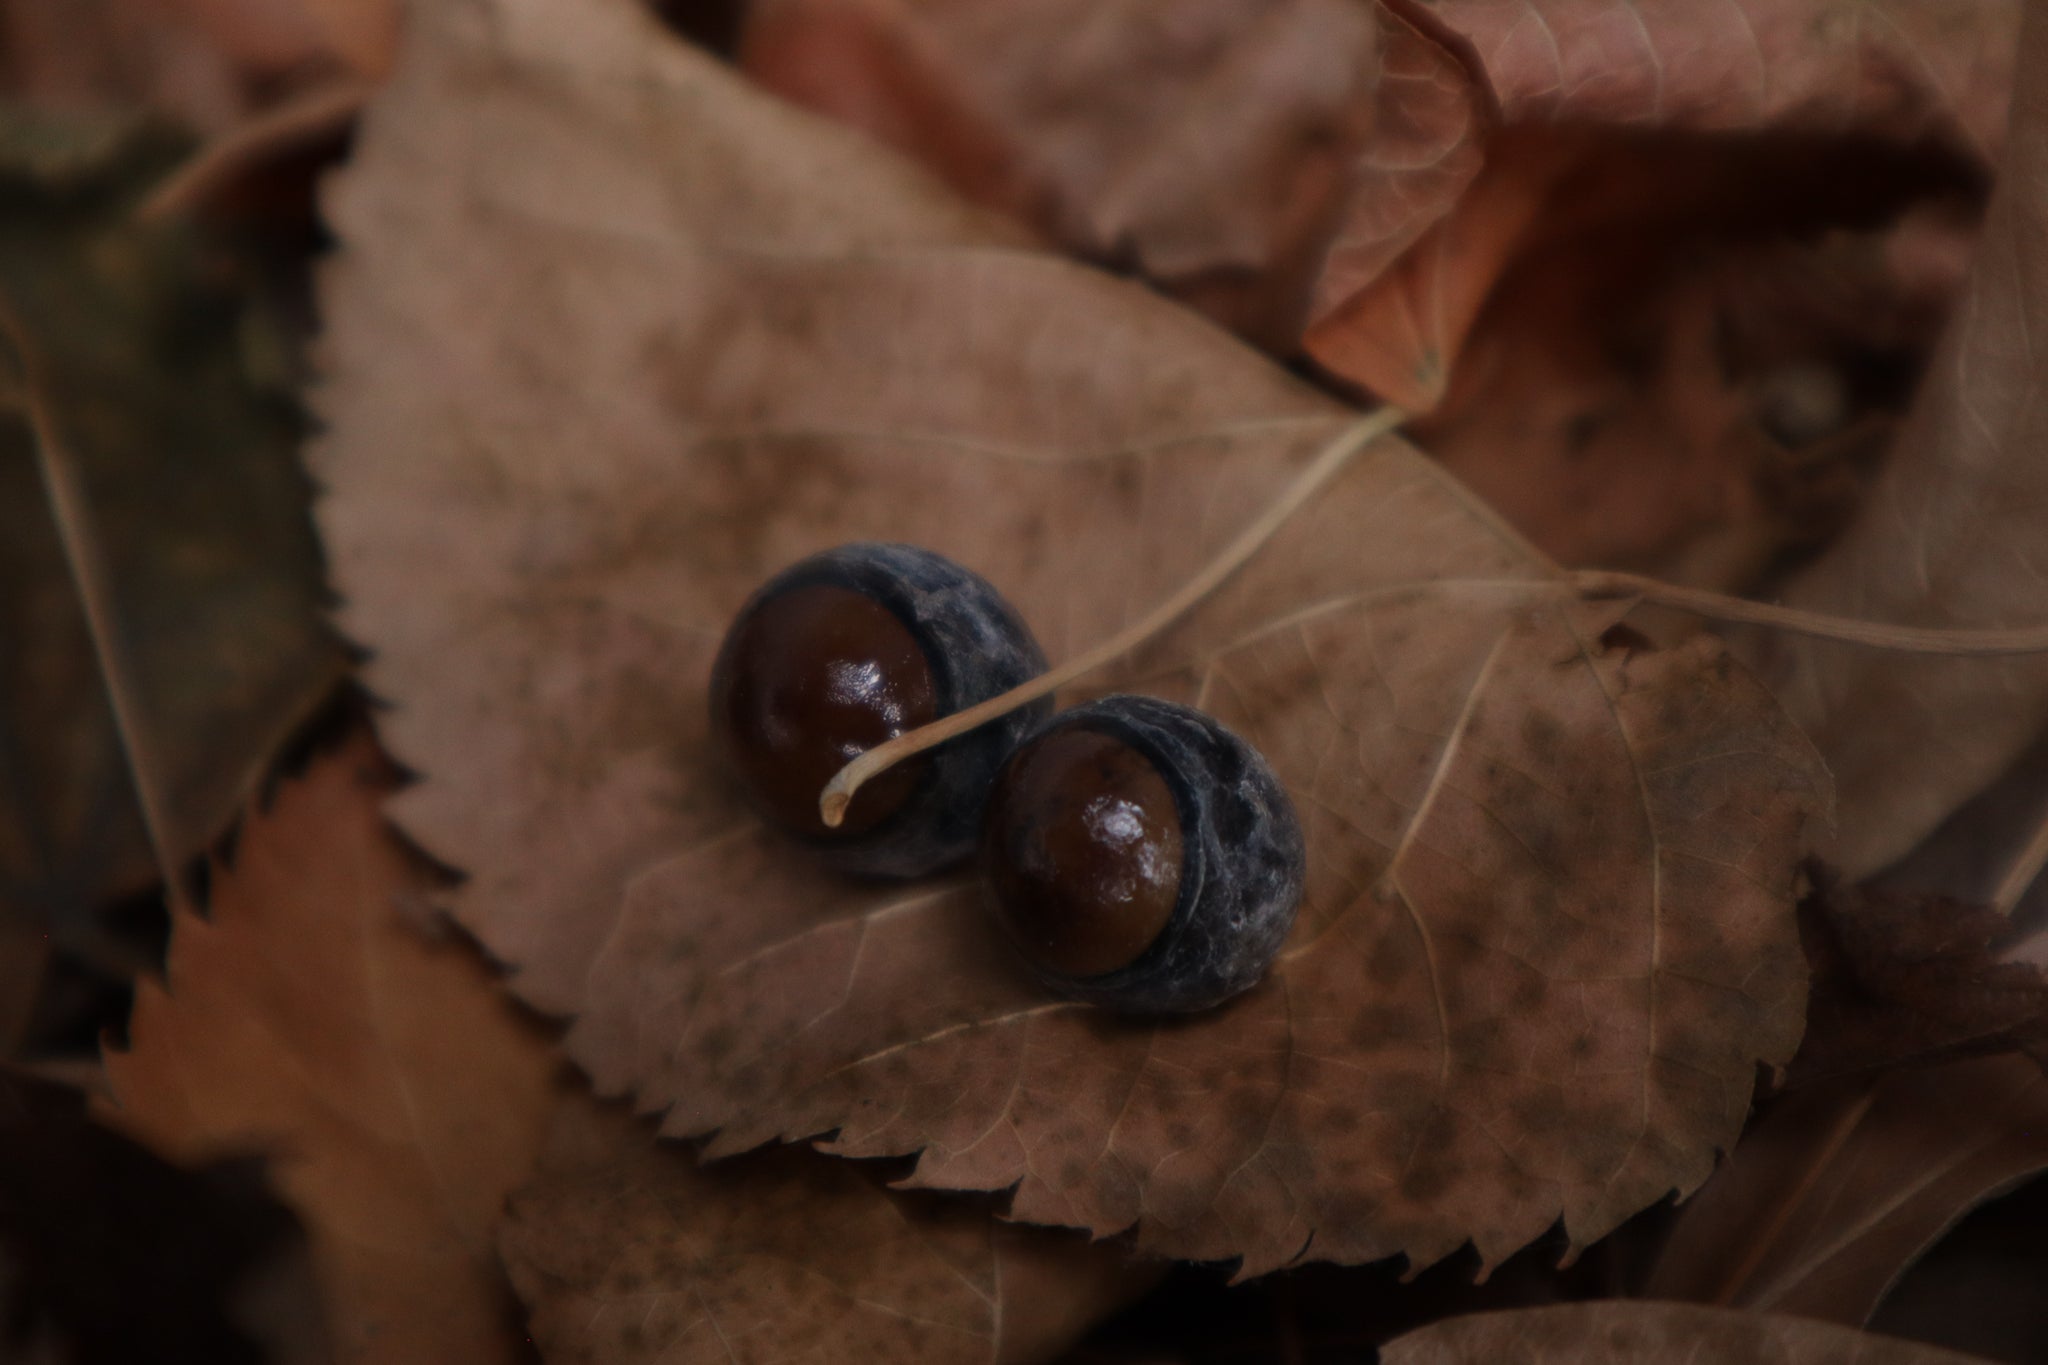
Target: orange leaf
(399,1094)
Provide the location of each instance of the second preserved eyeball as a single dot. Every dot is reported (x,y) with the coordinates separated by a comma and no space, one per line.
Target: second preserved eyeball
(854,647)
(1142,857)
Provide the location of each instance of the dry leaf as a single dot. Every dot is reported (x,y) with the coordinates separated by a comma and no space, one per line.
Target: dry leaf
(627,1251)
(143,362)
(1903,72)
(1210,146)
(399,1097)
(1250,158)
(1951,534)
(613,335)
(1619,1333)
(1837,1189)
(1905,978)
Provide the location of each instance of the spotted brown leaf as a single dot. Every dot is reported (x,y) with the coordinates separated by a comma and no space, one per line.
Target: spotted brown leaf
(613,336)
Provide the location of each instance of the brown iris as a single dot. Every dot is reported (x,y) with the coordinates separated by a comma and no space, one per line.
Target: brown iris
(1084,852)
(807,680)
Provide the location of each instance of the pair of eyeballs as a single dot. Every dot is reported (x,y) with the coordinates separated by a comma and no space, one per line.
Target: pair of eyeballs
(1140,856)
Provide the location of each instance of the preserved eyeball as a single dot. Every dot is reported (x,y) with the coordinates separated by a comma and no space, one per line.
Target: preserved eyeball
(1142,857)
(854,647)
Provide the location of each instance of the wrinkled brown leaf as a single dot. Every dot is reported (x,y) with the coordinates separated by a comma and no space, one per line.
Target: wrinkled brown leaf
(1950,535)
(1898,69)
(1838,1188)
(1124,133)
(1617,1333)
(398,1096)
(627,1251)
(1210,145)
(1901,978)
(1905,72)
(1547,936)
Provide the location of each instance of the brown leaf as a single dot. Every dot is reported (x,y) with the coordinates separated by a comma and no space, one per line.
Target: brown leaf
(400,1097)
(1910,978)
(1547,936)
(1949,535)
(626,1250)
(1901,72)
(1622,1333)
(1209,145)
(1838,1188)
(1422,157)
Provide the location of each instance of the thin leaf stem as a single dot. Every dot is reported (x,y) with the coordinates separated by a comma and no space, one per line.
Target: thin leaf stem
(2024,872)
(1995,640)
(1332,458)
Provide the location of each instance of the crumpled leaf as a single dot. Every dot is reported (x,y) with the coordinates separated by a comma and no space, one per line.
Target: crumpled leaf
(164,389)
(1547,935)
(1901,978)
(1623,1333)
(1838,1188)
(1950,535)
(1902,70)
(627,1251)
(1251,159)
(399,1097)
(1905,72)
(1210,145)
